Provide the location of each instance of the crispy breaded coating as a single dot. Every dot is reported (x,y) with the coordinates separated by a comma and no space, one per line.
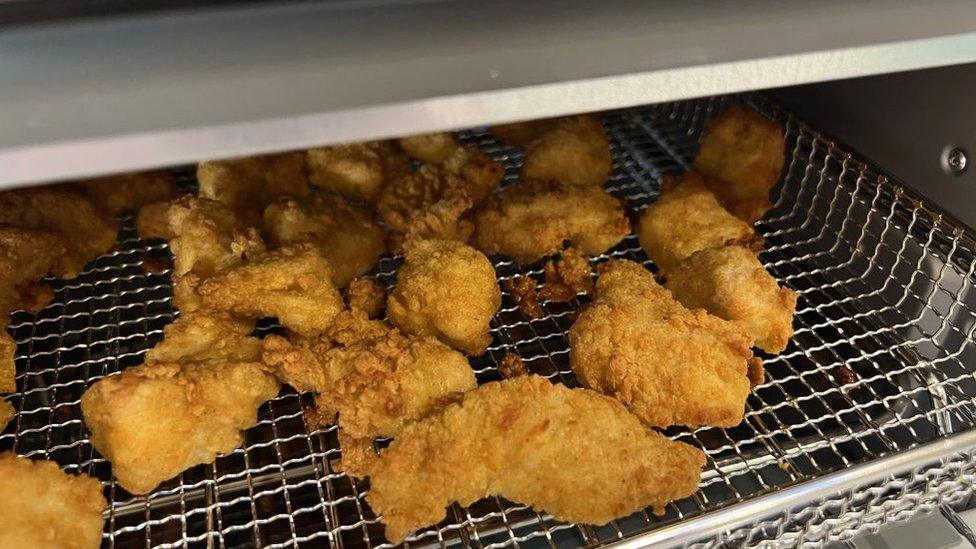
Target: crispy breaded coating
(730,282)
(669,365)
(156,420)
(741,157)
(525,292)
(88,231)
(376,378)
(481,173)
(293,283)
(44,507)
(359,170)
(447,290)
(567,276)
(204,235)
(248,185)
(573,150)
(366,295)
(521,133)
(7,412)
(429,203)
(27,255)
(532,219)
(8,368)
(511,365)
(344,233)
(207,335)
(429,147)
(573,453)
(685,219)
(118,194)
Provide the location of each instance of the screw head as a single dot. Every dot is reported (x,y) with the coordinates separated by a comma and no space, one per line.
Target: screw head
(955,160)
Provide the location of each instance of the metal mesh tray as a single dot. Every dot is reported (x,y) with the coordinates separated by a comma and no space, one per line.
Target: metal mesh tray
(864,418)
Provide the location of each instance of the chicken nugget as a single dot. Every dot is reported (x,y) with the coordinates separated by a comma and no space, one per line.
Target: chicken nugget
(521,134)
(429,147)
(447,290)
(573,453)
(195,411)
(248,185)
(730,282)
(344,233)
(532,219)
(44,507)
(376,378)
(430,203)
(669,365)
(741,157)
(207,335)
(573,150)
(367,295)
(481,173)
(359,170)
(685,219)
(293,283)
(8,368)
(26,255)
(118,194)
(88,231)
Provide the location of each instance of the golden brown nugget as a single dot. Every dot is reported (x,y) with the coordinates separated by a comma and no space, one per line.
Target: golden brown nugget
(482,174)
(573,150)
(248,185)
(154,421)
(430,203)
(344,233)
(293,284)
(7,412)
(46,508)
(521,134)
(730,282)
(667,364)
(447,290)
(573,453)
(685,219)
(429,147)
(88,231)
(27,255)
(118,194)
(532,219)
(207,335)
(741,157)
(359,170)
(367,295)
(376,378)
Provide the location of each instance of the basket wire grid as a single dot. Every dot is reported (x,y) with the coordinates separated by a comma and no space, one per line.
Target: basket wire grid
(878,365)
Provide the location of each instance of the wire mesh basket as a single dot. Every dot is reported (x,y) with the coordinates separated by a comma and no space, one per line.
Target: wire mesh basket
(865,417)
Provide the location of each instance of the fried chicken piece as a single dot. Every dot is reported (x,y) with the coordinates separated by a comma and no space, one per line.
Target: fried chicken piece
(118,194)
(207,335)
(7,412)
(8,368)
(481,173)
(359,170)
(447,290)
(730,282)
(525,292)
(521,133)
(685,219)
(430,203)
(376,378)
(88,232)
(293,283)
(48,508)
(573,453)
(366,295)
(204,235)
(429,147)
(669,365)
(741,157)
(248,185)
(573,150)
(27,255)
(532,219)
(344,233)
(568,276)
(196,410)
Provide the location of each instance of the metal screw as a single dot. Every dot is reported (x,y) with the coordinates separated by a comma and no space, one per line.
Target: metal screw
(955,161)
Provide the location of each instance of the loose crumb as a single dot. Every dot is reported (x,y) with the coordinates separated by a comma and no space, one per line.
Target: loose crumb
(367,295)
(36,296)
(523,289)
(844,375)
(756,373)
(511,366)
(568,276)
(154,265)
